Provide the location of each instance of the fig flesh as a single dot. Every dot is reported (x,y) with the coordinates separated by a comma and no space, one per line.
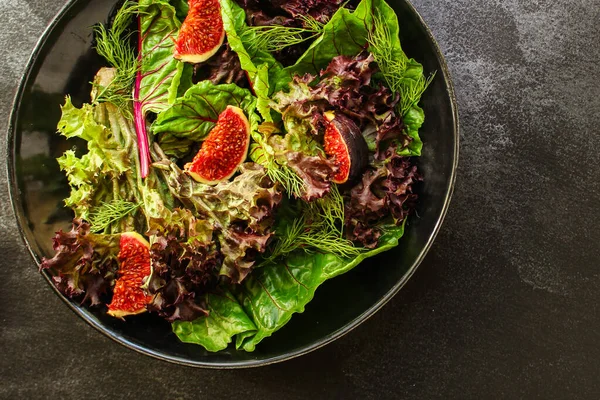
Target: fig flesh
(223,150)
(201,33)
(128,296)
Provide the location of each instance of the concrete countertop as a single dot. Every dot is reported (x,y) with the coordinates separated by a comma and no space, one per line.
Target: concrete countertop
(505,304)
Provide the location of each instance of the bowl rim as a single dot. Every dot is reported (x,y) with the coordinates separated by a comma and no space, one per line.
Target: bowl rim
(14,190)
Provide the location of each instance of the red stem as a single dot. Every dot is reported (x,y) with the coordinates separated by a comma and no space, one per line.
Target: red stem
(138,115)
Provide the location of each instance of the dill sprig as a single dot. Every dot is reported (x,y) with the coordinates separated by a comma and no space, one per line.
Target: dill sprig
(291,182)
(319,227)
(277,37)
(261,153)
(393,67)
(114,45)
(102,217)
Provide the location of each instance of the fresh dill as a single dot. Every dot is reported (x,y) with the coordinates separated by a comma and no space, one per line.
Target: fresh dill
(277,37)
(291,182)
(261,153)
(114,45)
(393,67)
(318,227)
(102,217)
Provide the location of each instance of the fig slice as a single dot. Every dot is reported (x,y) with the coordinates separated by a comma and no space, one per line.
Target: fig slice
(344,142)
(223,150)
(201,33)
(128,296)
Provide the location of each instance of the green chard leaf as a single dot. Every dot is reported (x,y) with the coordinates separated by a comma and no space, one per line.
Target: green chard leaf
(192,116)
(162,76)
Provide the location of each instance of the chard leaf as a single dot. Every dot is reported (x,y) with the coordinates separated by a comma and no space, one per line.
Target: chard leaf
(192,116)
(161,74)
(226,319)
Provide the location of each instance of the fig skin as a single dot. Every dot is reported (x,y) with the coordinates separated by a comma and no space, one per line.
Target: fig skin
(354,146)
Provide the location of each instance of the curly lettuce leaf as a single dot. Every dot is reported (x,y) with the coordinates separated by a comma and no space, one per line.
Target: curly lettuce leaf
(191,117)
(99,173)
(226,319)
(223,67)
(288,12)
(185,265)
(241,212)
(85,264)
(384,195)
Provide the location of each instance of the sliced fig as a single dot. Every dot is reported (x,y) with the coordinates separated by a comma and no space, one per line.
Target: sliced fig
(344,142)
(201,33)
(128,296)
(223,150)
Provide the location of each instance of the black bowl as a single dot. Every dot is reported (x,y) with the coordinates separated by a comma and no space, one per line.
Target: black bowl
(64,63)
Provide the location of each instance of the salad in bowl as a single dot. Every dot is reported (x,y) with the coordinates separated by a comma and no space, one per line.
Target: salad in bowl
(232,157)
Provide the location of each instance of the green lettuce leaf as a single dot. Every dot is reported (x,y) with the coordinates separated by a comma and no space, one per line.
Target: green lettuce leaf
(412,81)
(413,119)
(192,116)
(225,320)
(271,295)
(161,74)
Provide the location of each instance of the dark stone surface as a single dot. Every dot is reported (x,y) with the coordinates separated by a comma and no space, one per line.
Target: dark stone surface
(504,306)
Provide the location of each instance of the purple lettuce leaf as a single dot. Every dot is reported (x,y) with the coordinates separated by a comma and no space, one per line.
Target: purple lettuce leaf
(384,195)
(346,86)
(288,12)
(240,211)
(223,67)
(85,264)
(185,266)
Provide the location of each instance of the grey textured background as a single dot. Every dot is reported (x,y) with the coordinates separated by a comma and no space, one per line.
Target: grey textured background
(504,306)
